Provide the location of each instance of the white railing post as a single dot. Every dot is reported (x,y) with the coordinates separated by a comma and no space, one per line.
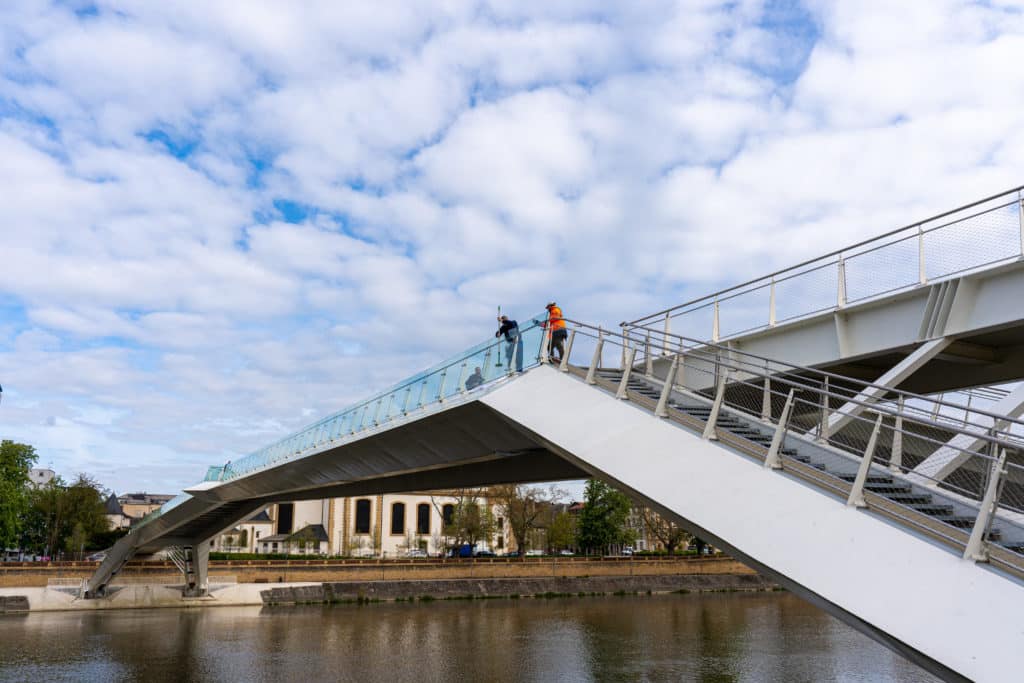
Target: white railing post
(896,461)
(648,361)
(1020,217)
(766,397)
(545,346)
(773,460)
(440,386)
(625,348)
(595,362)
(714,324)
(462,377)
(824,433)
(771,304)
(376,412)
(977,549)
(841,283)
(487,361)
(626,369)
(423,393)
(408,397)
(668,331)
(564,364)
(661,410)
(856,498)
(710,433)
(922,276)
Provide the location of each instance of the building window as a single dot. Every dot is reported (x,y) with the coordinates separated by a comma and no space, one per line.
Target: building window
(501,542)
(285,515)
(398,518)
(423,518)
(448,513)
(363,516)
(501,524)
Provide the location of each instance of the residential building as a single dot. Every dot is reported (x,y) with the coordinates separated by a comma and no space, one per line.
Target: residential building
(40,477)
(138,505)
(388,525)
(246,536)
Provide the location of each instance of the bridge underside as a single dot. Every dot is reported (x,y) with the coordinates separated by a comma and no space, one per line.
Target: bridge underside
(466,445)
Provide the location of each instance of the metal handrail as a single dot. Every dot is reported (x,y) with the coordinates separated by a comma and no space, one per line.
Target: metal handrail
(697,345)
(836,256)
(725,357)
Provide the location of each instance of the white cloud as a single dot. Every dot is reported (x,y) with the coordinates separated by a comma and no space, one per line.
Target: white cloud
(218,223)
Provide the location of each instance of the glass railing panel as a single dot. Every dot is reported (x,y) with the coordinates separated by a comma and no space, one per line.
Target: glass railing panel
(446,380)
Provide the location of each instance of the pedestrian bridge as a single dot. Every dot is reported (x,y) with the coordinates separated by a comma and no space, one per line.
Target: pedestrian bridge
(813,477)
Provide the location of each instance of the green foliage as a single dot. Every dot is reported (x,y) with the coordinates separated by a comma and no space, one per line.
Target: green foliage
(16,459)
(471,522)
(526,509)
(603,520)
(62,517)
(562,531)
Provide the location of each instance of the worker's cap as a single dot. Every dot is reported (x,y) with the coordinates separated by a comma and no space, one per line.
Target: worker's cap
(502,317)
(550,305)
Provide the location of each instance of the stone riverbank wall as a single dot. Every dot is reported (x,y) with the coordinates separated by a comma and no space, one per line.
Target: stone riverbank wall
(539,587)
(335,571)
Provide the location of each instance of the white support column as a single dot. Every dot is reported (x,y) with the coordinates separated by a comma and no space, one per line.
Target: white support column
(201,557)
(595,362)
(856,498)
(666,389)
(896,460)
(955,452)
(564,365)
(890,380)
(977,548)
(626,369)
(771,304)
(710,434)
(773,460)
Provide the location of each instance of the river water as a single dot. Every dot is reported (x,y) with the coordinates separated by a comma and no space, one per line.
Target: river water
(715,638)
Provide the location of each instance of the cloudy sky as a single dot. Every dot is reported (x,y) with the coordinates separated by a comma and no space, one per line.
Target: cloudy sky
(221,222)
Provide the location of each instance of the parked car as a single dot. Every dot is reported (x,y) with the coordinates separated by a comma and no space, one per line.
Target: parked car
(416,552)
(513,553)
(566,553)
(627,551)
(97,557)
(534,553)
(484,553)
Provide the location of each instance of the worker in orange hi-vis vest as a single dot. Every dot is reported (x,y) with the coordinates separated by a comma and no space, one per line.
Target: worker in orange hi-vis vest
(556,328)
